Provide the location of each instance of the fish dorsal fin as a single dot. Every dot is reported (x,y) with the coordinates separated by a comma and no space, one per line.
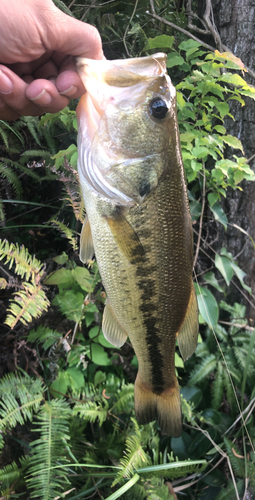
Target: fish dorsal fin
(86,243)
(112,329)
(188,333)
(125,237)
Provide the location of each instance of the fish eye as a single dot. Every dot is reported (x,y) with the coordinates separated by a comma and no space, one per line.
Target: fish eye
(158,108)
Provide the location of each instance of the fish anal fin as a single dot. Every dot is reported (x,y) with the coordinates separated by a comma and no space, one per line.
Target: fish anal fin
(112,329)
(86,243)
(125,237)
(166,407)
(188,333)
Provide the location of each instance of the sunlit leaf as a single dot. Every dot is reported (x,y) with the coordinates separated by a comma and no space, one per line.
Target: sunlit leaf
(208,306)
(219,214)
(210,278)
(223,264)
(159,42)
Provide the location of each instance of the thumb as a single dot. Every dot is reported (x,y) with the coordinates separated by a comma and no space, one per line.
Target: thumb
(70,36)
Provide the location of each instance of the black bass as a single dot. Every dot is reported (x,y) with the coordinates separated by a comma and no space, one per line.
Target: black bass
(138,222)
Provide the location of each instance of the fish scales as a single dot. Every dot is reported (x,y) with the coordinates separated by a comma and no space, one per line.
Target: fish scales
(133,183)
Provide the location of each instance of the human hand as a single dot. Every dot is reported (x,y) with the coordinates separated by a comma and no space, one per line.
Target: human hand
(37,70)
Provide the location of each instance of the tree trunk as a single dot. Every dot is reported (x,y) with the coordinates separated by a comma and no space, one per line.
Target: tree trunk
(235,20)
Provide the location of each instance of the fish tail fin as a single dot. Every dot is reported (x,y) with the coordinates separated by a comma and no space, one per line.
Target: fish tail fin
(166,407)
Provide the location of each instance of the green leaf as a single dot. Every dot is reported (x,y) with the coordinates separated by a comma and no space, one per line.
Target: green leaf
(60,384)
(240,274)
(76,378)
(71,305)
(59,277)
(61,259)
(212,198)
(223,264)
(178,361)
(223,108)
(83,277)
(180,445)
(192,395)
(208,306)
(124,488)
(210,278)
(174,59)
(234,79)
(219,214)
(159,42)
(220,129)
(98,355)
(233,142)
(180,99)
(188,44)
(201,444)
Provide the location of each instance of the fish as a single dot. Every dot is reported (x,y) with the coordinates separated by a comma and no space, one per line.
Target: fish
(138,222)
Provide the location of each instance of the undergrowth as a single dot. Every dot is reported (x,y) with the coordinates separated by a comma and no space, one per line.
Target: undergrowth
(70,409)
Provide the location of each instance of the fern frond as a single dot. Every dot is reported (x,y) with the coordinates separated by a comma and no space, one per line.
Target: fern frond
(18,385)
(157,490)
(49,450)
(230,392)
(125,399)
(218,387)
(135,456)
(91,411)
(4,137)
(45,335)
(229,492)
(13,411)
(32,123)
(138,490)
(68,233)
(12,472)
(27,304)
(241,357)
(8,173)
(236,462)
(26,265)
(207,366)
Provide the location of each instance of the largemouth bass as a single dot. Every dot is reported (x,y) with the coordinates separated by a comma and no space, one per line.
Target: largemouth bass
(138,222)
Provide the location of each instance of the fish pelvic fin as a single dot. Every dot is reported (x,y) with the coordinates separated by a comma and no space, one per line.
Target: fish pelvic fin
(188,333)
(86,243)
(112,329)
(166,407)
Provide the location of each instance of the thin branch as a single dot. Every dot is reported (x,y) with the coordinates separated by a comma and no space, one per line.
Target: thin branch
(152,7)
(126,30)
(211,25)
(86,11)
(187,33)
(178,28)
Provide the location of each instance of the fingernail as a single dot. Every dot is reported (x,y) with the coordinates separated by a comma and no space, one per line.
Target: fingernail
(6,85)
(44,98)
(69,92)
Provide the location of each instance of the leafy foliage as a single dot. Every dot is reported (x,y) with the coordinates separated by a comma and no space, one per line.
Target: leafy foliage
(75,418)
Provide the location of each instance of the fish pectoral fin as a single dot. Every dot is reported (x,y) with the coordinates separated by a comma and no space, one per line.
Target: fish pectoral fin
(165,407)
(188,333)
(112,329)
(126,237)
(86,243)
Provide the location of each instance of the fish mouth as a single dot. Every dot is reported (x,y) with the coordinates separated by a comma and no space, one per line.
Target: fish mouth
(106,80)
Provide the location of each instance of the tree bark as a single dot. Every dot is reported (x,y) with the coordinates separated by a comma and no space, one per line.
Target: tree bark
(235,21)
